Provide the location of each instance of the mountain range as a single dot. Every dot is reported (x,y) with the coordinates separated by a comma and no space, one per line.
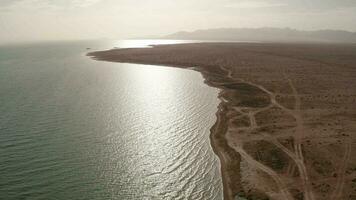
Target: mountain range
(266,35)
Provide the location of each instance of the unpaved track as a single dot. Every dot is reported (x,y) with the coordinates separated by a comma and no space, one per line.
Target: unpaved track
(257,165)
(337,194)
(297,156)
(298,138)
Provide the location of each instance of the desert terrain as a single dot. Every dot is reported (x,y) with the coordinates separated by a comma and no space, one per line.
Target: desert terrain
(286,124)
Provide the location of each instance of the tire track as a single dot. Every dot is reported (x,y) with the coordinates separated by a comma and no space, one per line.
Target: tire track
(337,194)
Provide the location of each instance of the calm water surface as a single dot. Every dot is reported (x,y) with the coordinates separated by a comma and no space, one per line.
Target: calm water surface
(75,128)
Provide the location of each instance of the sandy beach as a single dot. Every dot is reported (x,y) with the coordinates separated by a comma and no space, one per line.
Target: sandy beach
(286,123)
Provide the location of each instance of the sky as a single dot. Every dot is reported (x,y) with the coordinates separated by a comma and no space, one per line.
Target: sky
(37,20)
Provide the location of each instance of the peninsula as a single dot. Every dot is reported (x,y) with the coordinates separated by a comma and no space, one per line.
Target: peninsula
(286,123)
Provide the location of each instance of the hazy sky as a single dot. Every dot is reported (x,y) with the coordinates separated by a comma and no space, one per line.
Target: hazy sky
(84,19)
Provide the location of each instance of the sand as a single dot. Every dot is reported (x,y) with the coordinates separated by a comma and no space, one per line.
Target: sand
(286,123)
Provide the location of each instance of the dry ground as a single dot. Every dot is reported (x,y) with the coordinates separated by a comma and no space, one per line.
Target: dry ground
(286,125)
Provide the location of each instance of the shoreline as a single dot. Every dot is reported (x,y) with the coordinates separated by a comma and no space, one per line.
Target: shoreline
(264,111)
(215,131)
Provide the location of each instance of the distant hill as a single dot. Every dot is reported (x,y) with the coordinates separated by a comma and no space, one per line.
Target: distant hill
(267,35)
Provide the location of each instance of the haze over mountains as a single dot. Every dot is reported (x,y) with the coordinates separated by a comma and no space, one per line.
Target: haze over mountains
(267,35)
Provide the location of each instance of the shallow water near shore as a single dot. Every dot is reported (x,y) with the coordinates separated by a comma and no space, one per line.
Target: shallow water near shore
(75,128)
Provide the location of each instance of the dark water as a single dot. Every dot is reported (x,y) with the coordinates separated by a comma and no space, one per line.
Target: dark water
(75,128)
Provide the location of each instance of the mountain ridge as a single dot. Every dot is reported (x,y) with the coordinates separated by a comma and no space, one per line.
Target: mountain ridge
(266,34)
